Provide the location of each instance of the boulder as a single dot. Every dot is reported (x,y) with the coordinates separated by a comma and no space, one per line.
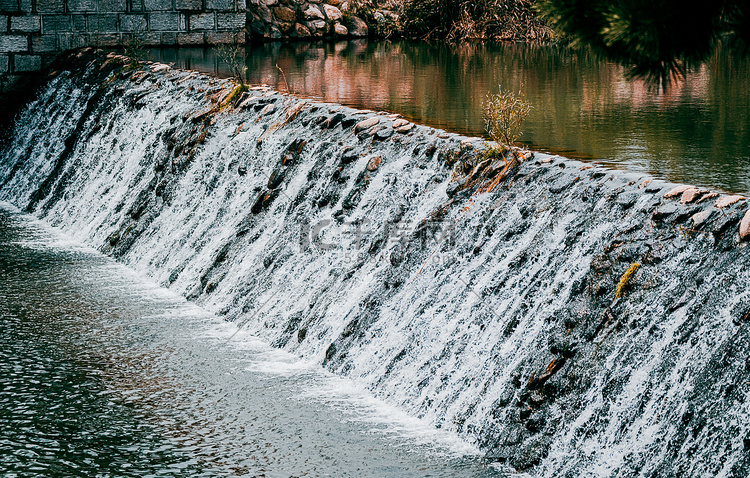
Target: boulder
(264,13)
(285,14)
(678,191)
(400,122)
(384,133)
(311,12)
(366,124)
(690,195)
(317,27)
(340,30)
(727,201)
(333,13)
(701,217)
(357,27)
(405,128)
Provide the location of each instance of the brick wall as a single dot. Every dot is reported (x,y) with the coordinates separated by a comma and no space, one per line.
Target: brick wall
(33,31)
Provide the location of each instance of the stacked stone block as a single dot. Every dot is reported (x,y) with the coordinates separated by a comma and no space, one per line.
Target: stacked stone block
(32,32)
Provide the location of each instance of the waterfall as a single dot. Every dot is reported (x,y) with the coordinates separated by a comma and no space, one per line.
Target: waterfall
(568,319)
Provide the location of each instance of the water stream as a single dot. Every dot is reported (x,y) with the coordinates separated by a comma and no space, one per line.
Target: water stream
(698,131)
(491,303)
(103,373)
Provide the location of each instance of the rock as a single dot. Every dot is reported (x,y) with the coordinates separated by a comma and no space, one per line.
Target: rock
(312,13)
(726,201)
(349,121)
(333,13)
(645,183)
(379,17)
(562,184)
(690,195)
(268,109)
(700,218)
(678,191)
(286,27)
(301,31)
(317,27)
(664,212)
(384,133)
(626,200)
(285,14)
(274,32)
(357,27)
(340,30)
(270,3)
(706,197)
(399,123)
(371,131)
(724,223)
(745,227)
(333,120)
(264,13)
(374,163)
(366,124)
(405,129)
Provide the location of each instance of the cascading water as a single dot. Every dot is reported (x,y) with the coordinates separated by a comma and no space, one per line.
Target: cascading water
(569,320)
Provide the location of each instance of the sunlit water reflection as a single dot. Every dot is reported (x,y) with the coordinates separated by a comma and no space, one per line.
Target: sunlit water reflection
(105,374)
(698,131)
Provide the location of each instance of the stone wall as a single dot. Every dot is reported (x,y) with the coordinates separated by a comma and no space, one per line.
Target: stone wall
(32,32)
(278,19)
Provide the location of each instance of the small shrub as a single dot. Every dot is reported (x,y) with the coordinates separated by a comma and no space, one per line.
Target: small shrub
(459,20)
(135,48)
(233,54)
(504,113)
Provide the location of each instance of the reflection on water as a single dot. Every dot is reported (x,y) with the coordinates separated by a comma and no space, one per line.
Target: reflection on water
(698,131)
(102,374)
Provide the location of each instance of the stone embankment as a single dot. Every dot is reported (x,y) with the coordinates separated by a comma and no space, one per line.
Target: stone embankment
(300,19)
(568,319)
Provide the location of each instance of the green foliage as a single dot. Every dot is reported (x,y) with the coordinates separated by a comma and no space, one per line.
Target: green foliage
(494,151)
(236,92)
(478,19)
(656,38)
(504,113)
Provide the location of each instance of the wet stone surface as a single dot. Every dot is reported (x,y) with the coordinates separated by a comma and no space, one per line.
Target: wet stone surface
(564,318)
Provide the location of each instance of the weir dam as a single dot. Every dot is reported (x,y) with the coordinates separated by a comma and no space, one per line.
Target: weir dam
(567,319)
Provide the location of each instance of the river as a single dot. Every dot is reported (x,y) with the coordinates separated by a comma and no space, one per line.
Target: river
(698,131)
(103,373)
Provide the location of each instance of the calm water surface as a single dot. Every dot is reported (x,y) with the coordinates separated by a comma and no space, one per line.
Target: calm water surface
(104,374)
(698,131)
